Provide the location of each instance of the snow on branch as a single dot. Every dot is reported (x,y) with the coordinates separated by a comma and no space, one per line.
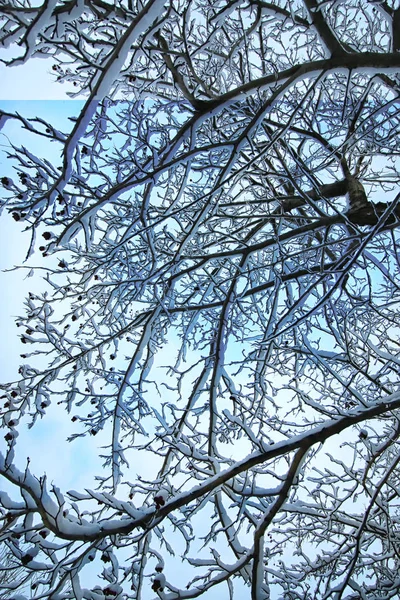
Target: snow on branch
(214,309)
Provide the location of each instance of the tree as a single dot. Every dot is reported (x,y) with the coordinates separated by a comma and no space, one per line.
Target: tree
(13,575)
(223,219)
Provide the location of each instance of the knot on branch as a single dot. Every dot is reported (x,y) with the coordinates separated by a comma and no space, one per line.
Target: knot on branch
(370,213)
(361,210)
(357,197)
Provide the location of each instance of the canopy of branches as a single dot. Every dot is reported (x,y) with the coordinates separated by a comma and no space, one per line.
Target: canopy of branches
(218,228)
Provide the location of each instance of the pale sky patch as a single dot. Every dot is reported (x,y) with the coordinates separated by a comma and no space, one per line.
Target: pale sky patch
(33,80)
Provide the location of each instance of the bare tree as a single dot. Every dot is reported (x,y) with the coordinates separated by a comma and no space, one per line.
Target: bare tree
(224,214)
(12,573)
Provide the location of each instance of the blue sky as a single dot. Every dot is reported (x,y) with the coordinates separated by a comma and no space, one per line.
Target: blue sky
(31,91)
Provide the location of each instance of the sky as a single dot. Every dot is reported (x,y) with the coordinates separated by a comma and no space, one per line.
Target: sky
(31,91)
